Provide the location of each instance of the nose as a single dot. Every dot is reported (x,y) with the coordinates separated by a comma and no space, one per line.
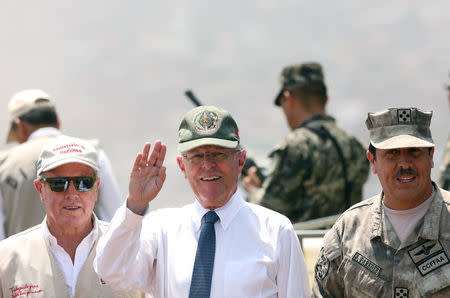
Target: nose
(404,161)
(71,191)
(208,161)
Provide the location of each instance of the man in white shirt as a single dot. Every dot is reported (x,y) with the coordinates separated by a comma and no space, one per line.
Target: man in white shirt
(34,121)
(395,244)
(219,246)
(54,258)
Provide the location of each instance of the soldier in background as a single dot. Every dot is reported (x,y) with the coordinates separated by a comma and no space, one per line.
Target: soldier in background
(34,121)
(395,244)
(319,169)
(445,175)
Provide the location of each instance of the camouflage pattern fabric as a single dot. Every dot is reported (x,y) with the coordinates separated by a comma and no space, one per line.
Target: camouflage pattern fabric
(305,180)
(363,257)
(445,175)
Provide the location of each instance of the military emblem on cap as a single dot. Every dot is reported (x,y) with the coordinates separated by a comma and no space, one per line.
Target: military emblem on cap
(206,122)
(400,128)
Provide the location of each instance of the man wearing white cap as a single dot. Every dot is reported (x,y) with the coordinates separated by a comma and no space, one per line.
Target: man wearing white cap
(219,246)
(34,121)
(54,258)
(395,244)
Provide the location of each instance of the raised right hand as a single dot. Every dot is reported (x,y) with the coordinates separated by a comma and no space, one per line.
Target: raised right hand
(147,177)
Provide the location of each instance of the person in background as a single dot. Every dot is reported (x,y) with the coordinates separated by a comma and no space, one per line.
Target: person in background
(34,121)
(395,244)
(54,258)
(219,246)
(319,169)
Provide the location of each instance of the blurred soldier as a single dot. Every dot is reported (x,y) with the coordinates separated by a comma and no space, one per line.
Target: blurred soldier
(395,244)
(445,176)
(319,169)
(34,121)
(54,258)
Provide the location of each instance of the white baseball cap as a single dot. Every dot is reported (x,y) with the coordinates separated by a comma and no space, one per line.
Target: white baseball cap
(63,150)
(23,102)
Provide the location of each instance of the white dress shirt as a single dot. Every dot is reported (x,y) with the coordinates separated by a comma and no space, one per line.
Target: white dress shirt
(257,252)
(70,270)
(109,196)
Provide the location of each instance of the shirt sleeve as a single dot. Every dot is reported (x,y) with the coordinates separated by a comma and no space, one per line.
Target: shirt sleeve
(109,198)
(2,219)
(125,253)
(292,276)
(327,282)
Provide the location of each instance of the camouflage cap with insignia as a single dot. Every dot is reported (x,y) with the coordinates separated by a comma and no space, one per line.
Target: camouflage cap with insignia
(298,74)
(400,128)
(207,125)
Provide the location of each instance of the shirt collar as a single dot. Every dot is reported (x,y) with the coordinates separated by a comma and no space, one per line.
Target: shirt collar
(226,213)
(45,132)
(51,240)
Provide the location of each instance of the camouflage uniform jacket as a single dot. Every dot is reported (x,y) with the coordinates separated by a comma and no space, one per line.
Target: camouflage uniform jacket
(363,257)
(305,179)
(445,176)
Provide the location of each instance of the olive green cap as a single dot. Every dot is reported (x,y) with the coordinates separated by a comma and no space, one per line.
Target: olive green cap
(400,128)
(299,74)
(207,125)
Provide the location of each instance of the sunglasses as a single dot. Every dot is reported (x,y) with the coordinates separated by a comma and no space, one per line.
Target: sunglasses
(61,184)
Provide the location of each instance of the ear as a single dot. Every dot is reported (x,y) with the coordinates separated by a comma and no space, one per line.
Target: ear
(431,157)
(181,166)
(371,159)
(38,186)
(97,187)
(242,156)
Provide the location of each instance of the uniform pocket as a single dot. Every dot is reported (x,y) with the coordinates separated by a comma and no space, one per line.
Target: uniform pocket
(359,282)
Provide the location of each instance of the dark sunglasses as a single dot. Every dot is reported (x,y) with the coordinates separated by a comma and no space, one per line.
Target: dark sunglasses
(61,184)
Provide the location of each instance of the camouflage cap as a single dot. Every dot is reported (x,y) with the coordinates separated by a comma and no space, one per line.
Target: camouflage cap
(298,74)
(400,128)
(207,125)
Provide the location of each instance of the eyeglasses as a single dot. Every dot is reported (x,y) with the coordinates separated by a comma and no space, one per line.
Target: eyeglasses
(61,184)
(216,156)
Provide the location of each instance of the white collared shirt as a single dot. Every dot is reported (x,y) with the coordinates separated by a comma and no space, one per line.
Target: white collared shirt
(70,270)
(257,252)
(109,198)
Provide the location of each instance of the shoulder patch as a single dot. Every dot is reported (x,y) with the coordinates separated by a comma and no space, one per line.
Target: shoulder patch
(322,266)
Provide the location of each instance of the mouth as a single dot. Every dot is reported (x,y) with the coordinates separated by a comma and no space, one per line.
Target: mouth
(71,208)
(210,178)
(406,179)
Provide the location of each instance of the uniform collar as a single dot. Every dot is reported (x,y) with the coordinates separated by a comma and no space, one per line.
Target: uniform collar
(226,213)
(381,227)
(44,132)
(321,117)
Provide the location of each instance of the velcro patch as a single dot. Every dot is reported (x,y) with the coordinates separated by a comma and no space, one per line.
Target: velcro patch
(428,256)
(366,263)
(401,292)
(322,266)
(404,116)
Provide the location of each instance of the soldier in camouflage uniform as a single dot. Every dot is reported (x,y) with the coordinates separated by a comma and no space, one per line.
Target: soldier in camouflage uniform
(397,243)
(319,169)
(445,175)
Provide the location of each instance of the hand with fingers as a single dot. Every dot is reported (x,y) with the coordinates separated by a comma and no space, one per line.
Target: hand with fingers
(147,177)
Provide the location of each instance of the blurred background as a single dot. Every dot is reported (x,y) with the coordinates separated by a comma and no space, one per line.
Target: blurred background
(118,69)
